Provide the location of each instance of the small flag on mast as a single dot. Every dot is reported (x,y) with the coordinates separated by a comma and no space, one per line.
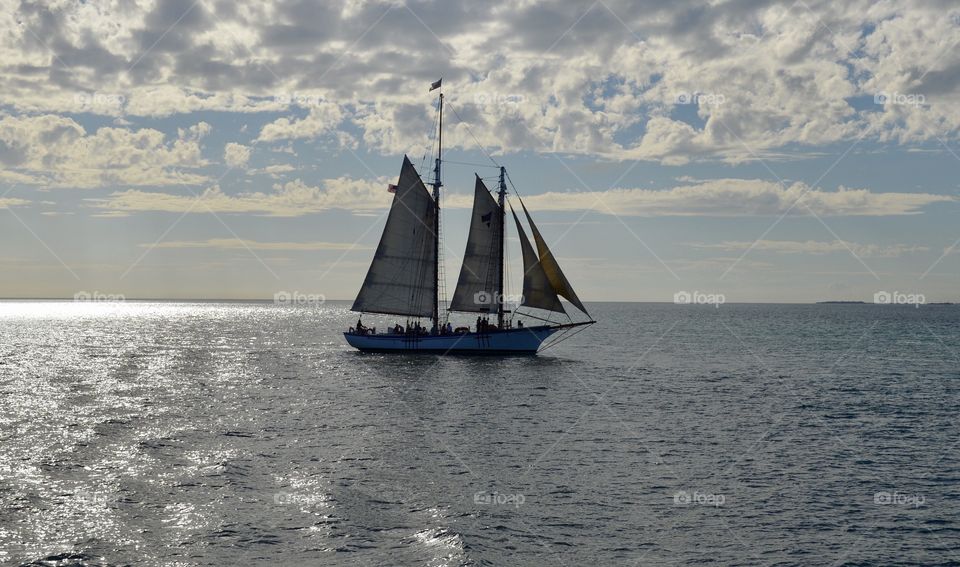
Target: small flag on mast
(391,188)
(435,86)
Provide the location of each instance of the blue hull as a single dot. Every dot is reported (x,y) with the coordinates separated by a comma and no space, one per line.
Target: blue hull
(511,341)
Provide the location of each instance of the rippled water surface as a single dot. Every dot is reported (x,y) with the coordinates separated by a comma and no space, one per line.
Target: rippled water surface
(248,433)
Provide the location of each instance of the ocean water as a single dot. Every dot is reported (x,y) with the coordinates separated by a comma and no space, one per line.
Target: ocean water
(248,433)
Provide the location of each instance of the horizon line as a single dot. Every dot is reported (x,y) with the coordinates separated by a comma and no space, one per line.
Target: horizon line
(120,298)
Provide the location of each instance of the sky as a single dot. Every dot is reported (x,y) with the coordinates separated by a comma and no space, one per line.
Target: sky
(767,151)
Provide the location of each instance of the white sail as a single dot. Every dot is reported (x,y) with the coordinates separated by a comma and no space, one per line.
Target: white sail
(401,278)
(479,283)
(550,266)
(537,290)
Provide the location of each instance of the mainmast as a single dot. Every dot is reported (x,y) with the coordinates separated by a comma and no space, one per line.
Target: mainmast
(501,200)
(436,223)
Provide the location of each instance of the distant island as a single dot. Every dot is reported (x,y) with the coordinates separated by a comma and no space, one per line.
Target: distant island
(865,303)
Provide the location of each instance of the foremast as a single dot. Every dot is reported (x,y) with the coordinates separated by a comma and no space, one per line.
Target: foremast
(436,222)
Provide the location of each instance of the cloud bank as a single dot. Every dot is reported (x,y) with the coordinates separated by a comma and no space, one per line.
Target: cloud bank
(618,79)
(712,198)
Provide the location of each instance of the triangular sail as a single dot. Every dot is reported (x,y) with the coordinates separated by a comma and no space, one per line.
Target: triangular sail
(537,291)
(550,266)
(479,281)
(401,279)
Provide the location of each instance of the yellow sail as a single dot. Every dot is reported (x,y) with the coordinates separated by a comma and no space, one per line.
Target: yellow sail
(537,291)
(550,266)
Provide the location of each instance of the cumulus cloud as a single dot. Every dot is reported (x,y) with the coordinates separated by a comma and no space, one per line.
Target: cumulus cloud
(236,155)
(57,151)
(624,80)
(323,118)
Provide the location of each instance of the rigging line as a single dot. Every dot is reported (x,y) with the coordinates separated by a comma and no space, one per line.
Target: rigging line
(432,138)
(565,336)
(482,149)
(512,185)
(555,338)
(530,315)
(471,165)
(475,139)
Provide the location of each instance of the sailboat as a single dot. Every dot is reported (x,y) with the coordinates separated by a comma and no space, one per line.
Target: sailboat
(405,276)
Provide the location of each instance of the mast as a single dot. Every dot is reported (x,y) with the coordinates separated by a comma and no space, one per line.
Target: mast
(436,223)
(501,200)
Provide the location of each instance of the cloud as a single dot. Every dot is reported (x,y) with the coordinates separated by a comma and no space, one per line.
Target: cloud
(7,202)
(323,118)
(236,155)
(814,247)
(57,151)
(239,244)
(600,80)
(719,264)
(291,199)
(708,198)
(736,197)
(275,170)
